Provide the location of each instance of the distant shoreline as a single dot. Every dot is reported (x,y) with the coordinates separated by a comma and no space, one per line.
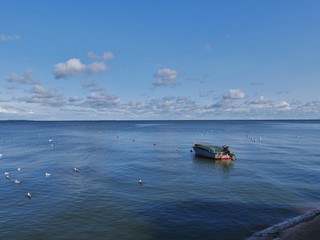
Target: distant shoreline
(174,120)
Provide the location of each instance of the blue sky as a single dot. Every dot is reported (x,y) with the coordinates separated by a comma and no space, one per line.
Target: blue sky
(168,59)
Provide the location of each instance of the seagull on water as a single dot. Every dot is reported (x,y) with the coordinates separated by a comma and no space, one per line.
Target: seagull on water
(17,181)
(6,173)
(19,169)
(177,149)
(29,195)
(140,182)
(76,169)
(48,174)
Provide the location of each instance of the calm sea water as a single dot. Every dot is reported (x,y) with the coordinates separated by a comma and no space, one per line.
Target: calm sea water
(275,177)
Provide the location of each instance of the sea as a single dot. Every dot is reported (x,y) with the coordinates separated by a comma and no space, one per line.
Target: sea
(83,177)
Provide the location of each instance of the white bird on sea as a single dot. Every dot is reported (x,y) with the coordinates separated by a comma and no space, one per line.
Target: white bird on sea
(6,173)
(19,169)
(8,177)
(177,149)
(76,169)
(140,182)
(48,174)
(1,155)
(17,181)
(29,195)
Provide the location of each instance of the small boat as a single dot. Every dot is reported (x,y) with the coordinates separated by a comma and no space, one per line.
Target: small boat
(214,152)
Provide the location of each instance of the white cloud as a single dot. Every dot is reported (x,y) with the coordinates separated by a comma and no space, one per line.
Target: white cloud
(284,106)
(260,100)
(208,93)
(89,84)
(314,103)
(5,38)
(165,77)
(101,100)
(70,68)
(7,110)
(38,89)
(74,67)
(96,67)
(222,104)
(310,107)
(106,56)
(15,111)
(43,96)
(26,78)
(75,99)
(170,106)
(234,94)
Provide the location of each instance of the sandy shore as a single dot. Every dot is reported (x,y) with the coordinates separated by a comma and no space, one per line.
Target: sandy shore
(306,226)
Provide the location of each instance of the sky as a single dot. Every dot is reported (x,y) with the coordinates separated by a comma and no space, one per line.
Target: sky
(159,59)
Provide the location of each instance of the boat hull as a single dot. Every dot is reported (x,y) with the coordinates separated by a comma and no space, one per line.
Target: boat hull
(212,152)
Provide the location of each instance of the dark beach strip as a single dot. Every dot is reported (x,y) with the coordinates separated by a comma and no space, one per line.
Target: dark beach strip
(306,226)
